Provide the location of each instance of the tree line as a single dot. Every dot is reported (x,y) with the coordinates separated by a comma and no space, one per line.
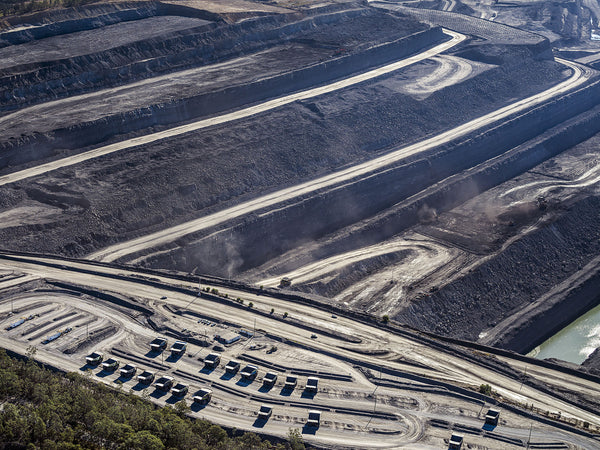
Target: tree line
(42,409)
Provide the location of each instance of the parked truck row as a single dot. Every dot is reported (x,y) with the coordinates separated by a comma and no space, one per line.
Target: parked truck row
(202,397)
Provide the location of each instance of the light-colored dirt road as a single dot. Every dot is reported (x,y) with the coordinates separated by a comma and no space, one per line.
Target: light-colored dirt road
(424,257)
(589,178)
(236,115)
(580,75)
(450,70)
(401,352)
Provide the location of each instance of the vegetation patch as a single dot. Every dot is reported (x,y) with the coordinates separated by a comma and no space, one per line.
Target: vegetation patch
(47,410)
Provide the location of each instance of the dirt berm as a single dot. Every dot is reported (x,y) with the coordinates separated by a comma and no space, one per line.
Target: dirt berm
(33,148)
(317,215)
(516,278)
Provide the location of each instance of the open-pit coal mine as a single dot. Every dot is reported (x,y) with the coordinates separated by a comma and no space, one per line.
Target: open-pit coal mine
(427,168)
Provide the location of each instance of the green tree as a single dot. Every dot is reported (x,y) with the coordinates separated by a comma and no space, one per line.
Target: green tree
(142,440)
(485,389)
(111,431)
(31,351)
(215,435)
(181,407)
(37,427)
(48,411)
(295,440)
(250,441)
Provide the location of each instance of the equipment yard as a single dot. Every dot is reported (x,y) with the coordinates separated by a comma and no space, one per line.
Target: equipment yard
(398,387)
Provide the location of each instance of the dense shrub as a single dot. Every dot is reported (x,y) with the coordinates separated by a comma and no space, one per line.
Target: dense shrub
(485,389)
(48,410)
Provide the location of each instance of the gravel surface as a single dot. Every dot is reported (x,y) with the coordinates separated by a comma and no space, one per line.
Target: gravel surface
(86,42)
(172,181)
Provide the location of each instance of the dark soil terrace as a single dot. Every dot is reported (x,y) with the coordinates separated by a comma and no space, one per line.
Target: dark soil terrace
(31,75)
(518,275)
(93,41)
(172,181)
(77,210)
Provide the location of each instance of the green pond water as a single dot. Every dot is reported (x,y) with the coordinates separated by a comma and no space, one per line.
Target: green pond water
(575,342)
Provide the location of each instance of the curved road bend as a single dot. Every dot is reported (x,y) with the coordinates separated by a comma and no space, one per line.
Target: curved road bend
(117,251)
(441,365)
(456,38)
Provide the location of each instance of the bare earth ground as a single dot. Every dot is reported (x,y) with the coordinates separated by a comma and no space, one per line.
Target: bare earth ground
(465,272)
(177,179)
(361,407)
(454,260)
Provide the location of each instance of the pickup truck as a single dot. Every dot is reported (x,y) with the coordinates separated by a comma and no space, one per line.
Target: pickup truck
(178,348)
(128,371)
(311,384)
(146,377)
(110,365)
(179,390)
(158,344)
(492,416)
(249,372)
(314,419)
(456,442)
(265,412)
(269,379)
(290,382)
(212,360)
(232,367)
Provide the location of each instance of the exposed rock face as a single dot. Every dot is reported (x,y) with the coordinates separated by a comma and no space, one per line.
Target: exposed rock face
(520,274)
(210,42)
(592,363)
(84,208)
